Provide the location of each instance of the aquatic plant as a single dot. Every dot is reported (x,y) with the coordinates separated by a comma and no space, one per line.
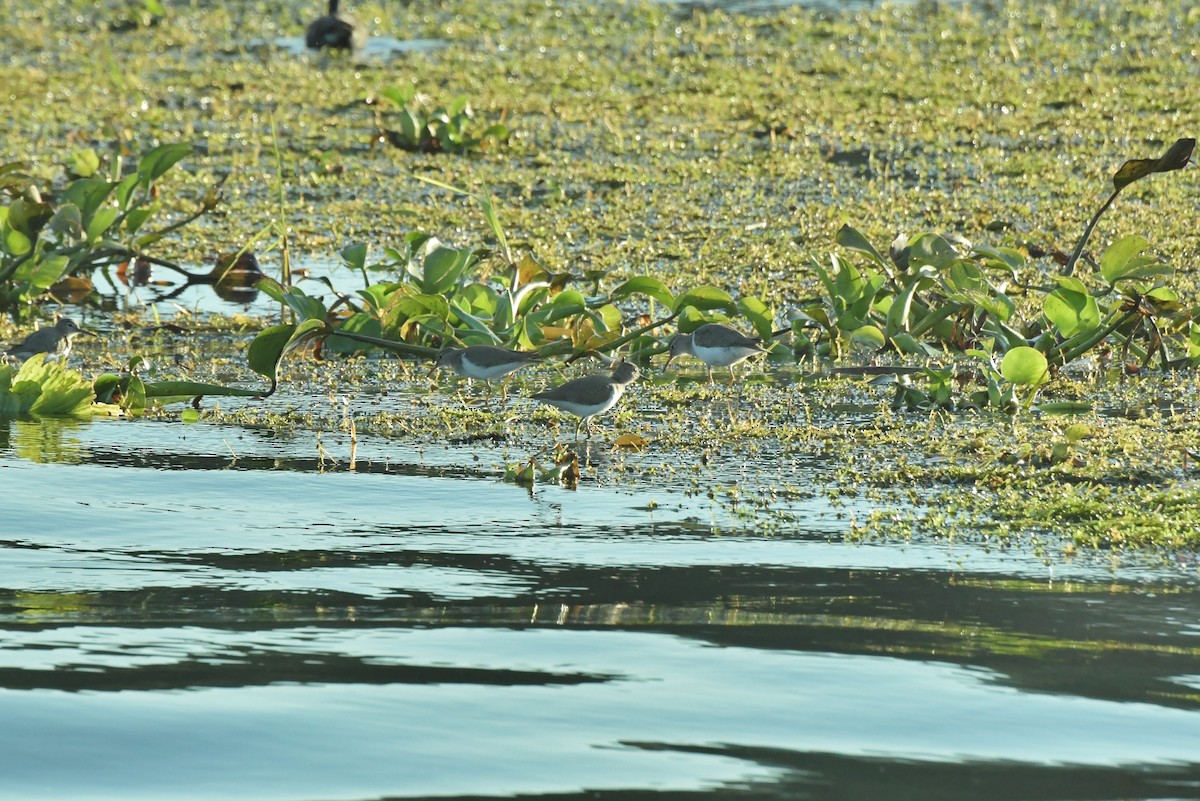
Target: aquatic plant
(416,125)
(45,389)
(437,294)
(933,298)
(93,223)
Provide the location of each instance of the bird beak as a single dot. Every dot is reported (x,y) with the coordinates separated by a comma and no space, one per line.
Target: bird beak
(670,356)
(89,333)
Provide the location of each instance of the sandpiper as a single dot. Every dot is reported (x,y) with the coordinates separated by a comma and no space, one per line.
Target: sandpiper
(716,345)
(485,362)
(591,395)
(336,31)
(54,340)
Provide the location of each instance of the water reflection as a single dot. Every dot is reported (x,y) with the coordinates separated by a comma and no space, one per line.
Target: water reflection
(52,440)
(419,612)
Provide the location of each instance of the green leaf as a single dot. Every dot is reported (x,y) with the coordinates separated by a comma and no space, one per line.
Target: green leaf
(929,248)
(900,310)
(134,399)
(124,189)
(759,316)
(644,285)
(101,221)
(272,344)
(164,392)
(1114,264)
(42,388)
(706,298)
(355,255)
(1071,309)
(853,239)
(869,335)
(305,307)
(49,270)
(400,95)
(29,218)
(1025,366)
(85,162)
(443,267)
(355,324)
(67,221)
(158,161)
(89,195)
(136,218)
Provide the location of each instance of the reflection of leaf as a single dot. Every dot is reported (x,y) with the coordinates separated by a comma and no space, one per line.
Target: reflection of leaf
(1176,158)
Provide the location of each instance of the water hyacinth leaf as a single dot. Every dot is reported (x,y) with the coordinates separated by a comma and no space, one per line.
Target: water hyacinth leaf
(442,268)
(1008,259)
(88,195)
(164,392)
(869,336)
(1025,366)
(85,162)
(853,239)
(376,295)
(1114,263)
(899,312)
(759,316)
(1175,158)
(15,242)
(1000,307)
(269,347)
(67,222)
(101,221)
(27,217)
(137,217)
(355,256)
(400,95)
(1163,300)
(305,307)
(359,323)
(479,299)
(929,248)
(531,271)
(49,270)
(706,298)
(189,416)
(124,190)
(158,161)
(133,401)
(1071,309)
(644,285)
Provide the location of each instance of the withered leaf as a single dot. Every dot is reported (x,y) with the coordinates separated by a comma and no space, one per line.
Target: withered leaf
(1176,158)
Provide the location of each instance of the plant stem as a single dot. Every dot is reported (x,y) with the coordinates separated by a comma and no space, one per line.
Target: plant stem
(1069,267)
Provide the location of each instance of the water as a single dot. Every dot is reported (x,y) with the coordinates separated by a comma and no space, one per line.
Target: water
(215,613)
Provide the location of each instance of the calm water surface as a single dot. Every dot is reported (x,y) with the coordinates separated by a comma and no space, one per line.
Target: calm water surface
(210,614)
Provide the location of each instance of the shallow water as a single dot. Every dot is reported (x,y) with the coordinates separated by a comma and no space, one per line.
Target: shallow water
(215,613)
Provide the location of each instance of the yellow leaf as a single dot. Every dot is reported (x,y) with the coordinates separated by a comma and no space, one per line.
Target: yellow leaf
(631,441)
